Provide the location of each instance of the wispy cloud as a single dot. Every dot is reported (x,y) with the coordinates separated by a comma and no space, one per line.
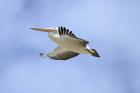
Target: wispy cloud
(111,26)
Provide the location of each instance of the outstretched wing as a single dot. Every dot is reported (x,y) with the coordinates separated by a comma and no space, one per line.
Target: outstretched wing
(64,31)
(61,54)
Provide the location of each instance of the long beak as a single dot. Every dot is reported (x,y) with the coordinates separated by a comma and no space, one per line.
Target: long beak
(45,29)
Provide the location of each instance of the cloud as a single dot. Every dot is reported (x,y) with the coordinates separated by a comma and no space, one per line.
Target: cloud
(111,26)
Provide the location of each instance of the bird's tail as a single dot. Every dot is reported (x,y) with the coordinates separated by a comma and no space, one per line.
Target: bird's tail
(94,52)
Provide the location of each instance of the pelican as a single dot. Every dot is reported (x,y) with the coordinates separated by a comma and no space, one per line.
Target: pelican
(69,45)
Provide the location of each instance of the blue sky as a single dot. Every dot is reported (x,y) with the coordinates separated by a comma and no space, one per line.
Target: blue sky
(111,26)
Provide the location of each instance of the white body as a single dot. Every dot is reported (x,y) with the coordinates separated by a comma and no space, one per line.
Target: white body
(69,43)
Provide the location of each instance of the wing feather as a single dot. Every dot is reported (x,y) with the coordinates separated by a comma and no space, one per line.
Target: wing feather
(61,54)
(63,31)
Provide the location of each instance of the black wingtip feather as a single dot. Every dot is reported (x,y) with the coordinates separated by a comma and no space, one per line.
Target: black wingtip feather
(43,55)
(64,31)
(70,32)
(67,31)
(61,29)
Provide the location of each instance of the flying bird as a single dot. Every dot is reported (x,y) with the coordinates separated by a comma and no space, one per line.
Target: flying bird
(69,45)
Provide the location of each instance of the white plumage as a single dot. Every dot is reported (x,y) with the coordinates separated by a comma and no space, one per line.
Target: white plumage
(69,44)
